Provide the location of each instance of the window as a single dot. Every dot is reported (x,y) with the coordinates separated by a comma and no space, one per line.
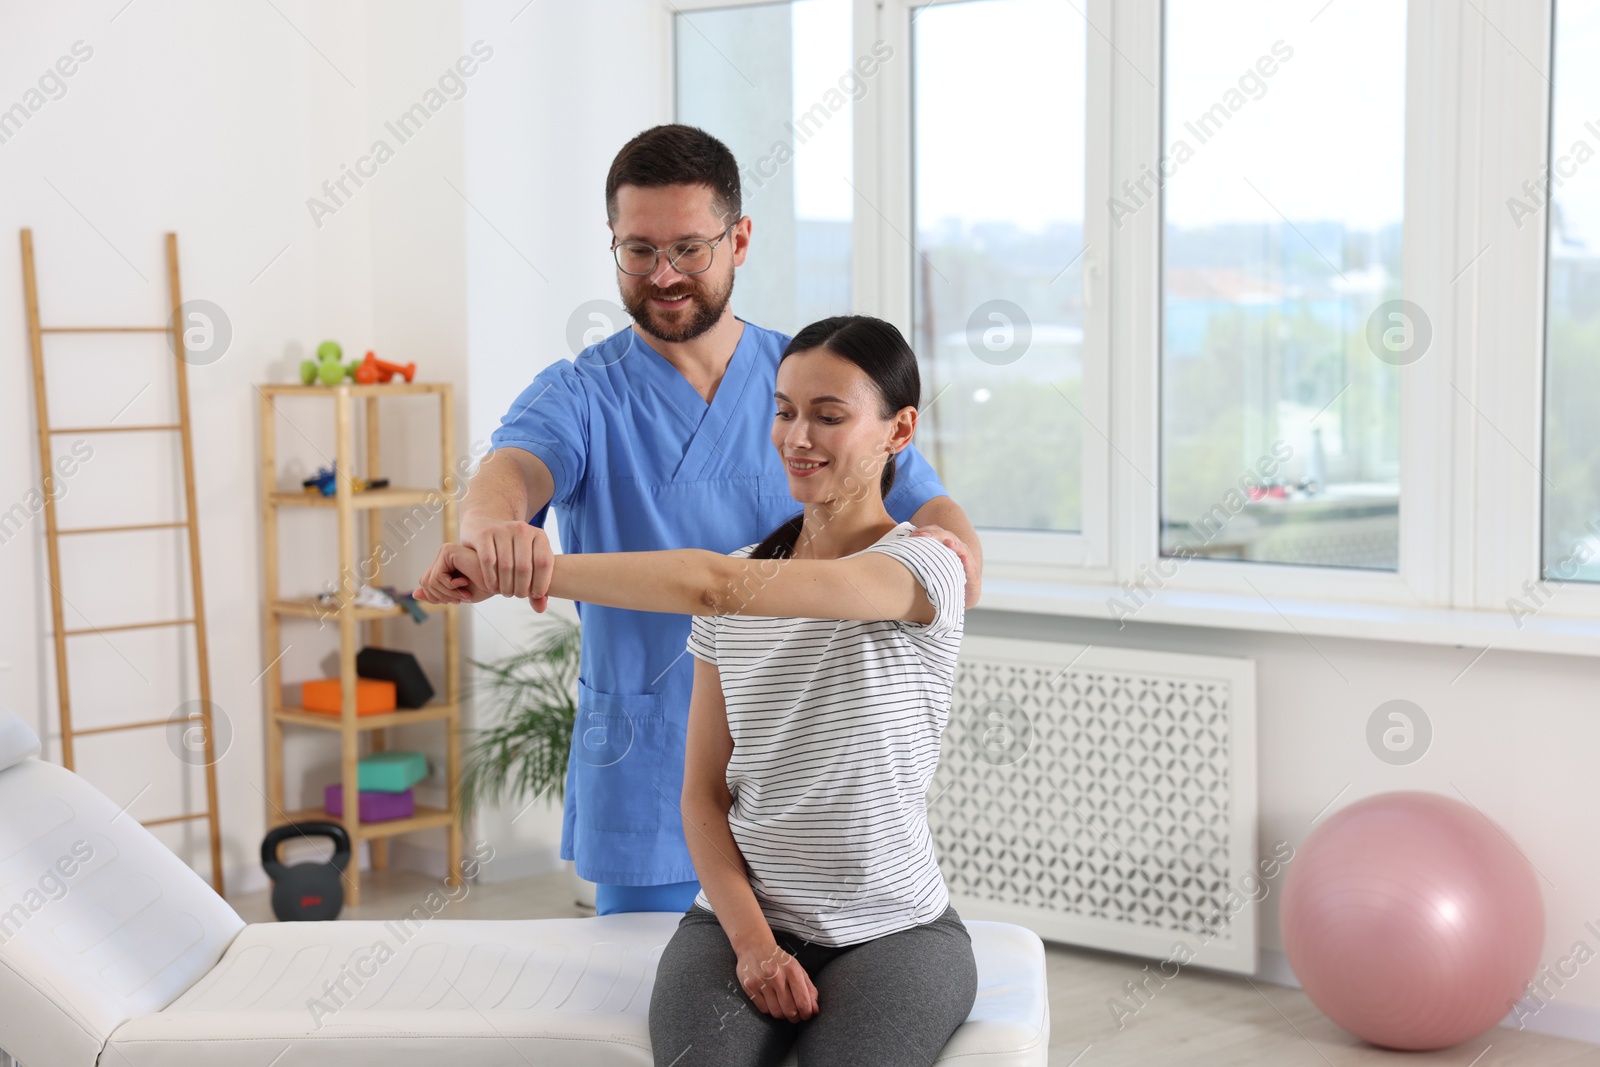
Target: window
(997,271)
(775,83)
(1284,329)
(1572,300)
(1204,278)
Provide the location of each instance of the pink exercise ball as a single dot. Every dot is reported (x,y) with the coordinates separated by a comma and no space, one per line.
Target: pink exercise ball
(1411,920)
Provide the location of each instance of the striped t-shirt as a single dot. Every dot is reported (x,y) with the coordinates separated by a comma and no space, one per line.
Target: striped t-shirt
(836,728)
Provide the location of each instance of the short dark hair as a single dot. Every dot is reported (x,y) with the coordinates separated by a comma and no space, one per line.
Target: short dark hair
(675,154)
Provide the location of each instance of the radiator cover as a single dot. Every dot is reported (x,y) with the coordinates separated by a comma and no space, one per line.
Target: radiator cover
(1103,797)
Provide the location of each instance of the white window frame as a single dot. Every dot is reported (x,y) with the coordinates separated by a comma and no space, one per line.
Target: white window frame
(1519,50)
(885,230)
(1477,119)
(1138,275)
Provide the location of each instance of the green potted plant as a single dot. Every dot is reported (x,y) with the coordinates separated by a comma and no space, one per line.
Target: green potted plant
(528,703)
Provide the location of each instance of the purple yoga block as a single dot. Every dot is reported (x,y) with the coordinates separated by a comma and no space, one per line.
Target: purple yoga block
(375,807)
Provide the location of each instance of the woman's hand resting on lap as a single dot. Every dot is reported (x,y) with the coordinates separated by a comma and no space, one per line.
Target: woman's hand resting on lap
(777,983)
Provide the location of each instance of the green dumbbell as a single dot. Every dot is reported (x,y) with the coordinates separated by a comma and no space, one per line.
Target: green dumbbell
(326,368)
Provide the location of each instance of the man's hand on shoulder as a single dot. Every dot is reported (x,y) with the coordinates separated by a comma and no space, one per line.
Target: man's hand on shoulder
(968,563)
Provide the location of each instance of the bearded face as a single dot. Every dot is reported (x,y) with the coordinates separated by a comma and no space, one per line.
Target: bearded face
(686,308)
(669,304)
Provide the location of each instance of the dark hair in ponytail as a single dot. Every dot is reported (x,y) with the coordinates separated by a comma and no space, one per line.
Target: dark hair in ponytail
(878,349)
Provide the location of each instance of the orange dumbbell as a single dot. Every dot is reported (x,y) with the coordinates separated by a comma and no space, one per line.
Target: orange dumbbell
(372,369)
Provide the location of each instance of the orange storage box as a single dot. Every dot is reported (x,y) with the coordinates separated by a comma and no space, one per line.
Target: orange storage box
(373,696)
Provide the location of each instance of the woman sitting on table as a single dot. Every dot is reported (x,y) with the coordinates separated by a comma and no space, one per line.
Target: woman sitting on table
(827,656)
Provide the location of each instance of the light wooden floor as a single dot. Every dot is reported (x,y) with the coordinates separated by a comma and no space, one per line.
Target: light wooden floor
(1197,1018)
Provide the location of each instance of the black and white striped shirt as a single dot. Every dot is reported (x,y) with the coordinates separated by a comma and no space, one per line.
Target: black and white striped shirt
(836,728)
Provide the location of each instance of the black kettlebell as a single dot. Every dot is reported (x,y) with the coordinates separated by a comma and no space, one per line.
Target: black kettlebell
(307,892)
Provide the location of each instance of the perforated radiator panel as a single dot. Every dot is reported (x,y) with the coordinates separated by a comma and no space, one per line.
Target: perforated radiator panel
(1103,797)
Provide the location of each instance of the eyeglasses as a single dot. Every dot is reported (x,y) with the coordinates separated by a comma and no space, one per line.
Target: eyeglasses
(692,256)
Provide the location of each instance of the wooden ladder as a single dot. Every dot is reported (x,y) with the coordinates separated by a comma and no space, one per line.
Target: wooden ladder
(53,533)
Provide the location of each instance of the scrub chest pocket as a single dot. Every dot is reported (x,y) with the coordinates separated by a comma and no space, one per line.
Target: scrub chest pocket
(774,503)
(628,759)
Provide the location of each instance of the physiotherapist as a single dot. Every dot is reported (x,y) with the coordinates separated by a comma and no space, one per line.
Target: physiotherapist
(657,437)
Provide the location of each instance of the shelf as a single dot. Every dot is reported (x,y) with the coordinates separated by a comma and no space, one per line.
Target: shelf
(426,818)
(370,498)
(393,388)
(362,529)
(308,609)
(427,713)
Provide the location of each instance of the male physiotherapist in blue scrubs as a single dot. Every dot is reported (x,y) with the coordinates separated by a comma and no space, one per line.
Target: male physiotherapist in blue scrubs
(658,437)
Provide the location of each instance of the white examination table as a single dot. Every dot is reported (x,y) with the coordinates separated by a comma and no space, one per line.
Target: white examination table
(114,952)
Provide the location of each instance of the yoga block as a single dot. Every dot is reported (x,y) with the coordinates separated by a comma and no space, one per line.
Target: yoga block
(374,807)
(324,695)
(412,689)
(392,772)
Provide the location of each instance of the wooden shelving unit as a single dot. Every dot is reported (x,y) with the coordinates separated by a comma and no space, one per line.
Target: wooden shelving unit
(358,626)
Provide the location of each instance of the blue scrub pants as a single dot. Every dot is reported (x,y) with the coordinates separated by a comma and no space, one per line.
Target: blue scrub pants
(673,896)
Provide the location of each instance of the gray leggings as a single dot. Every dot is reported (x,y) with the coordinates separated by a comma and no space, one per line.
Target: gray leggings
(890,1002)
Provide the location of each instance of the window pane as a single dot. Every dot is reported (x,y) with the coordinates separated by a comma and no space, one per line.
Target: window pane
(1283,187)
(1572,326)
(775,83)
(998,109)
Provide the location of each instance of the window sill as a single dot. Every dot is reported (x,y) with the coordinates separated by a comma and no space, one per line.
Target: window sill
(1562,635)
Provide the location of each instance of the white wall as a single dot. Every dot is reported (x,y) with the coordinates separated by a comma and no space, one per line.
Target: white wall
(218,122)
(221,122)
(540,137)
(214,121)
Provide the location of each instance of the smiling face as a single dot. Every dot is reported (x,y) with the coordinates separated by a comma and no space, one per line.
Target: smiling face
(666,304)
(828,429)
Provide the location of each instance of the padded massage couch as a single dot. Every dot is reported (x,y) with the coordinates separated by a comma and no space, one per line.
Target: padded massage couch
(137,963)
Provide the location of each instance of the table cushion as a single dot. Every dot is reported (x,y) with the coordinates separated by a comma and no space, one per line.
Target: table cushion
(99,921)
(570,992)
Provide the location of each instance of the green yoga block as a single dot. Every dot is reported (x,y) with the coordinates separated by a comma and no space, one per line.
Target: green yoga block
(391,772)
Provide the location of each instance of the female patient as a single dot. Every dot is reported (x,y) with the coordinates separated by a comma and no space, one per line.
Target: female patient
(826,656)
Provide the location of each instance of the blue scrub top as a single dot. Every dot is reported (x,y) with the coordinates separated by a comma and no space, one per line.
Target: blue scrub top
(641,462)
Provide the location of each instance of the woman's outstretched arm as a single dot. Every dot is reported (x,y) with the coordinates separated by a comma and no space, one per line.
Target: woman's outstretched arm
(695,581)
(692,581)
